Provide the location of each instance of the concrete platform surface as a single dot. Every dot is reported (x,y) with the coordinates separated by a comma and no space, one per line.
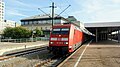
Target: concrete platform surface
(6,47)
(101,54)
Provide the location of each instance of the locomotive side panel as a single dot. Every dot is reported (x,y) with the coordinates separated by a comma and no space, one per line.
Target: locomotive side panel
(75,40)
(71,37)
(78,36)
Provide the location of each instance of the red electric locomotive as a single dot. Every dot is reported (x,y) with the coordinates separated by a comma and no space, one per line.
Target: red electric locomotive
(65,38)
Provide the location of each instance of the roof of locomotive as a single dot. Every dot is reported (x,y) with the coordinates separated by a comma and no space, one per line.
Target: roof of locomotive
(66,25)
(84,30)
(62,25)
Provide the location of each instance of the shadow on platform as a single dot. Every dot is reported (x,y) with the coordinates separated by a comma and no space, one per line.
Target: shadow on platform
(105,42)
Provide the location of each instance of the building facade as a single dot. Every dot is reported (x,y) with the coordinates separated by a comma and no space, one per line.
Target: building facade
(2,6)
(2,24)
(10,23)
(41,22)
(2,27)
(7,23)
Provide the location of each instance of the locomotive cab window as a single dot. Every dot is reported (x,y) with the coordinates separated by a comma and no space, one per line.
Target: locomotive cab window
(56,29)
(60,31)
(64,30)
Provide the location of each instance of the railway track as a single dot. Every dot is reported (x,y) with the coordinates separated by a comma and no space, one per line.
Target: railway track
(22,53)
(53,61)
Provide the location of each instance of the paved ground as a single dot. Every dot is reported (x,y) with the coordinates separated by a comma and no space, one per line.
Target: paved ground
(6,47)
(102,54)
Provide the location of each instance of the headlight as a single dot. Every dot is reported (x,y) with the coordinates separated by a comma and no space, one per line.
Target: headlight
(53,39)
(70,46)
(64,39)
(51,42)
(65,42)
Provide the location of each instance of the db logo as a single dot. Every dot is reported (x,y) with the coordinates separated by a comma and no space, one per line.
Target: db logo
(59,35)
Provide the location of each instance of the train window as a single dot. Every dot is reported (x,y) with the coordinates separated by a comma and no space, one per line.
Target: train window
(65,29)
(64,32)
(58,29)
(55,32)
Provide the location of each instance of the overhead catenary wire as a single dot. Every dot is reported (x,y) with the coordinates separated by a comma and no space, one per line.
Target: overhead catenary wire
(60,7)
(55,7)
(44,12)
(45,7)
(63,10)
(66,2)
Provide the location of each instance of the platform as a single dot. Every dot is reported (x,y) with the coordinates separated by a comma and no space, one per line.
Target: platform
(8,47)
(101,54)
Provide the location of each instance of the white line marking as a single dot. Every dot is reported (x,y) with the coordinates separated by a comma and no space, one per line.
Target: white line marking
(81,55)
(60,65)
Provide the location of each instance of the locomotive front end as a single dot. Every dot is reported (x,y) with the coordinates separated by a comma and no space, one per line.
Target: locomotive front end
(59,39)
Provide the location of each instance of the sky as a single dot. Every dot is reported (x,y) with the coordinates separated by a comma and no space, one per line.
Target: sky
(86,11)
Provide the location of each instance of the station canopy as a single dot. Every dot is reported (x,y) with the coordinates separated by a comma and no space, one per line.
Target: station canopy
(103,24)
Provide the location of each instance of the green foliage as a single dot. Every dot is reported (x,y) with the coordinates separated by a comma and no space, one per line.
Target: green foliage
(38,32)
(20,32)
(8,32)
(17,32)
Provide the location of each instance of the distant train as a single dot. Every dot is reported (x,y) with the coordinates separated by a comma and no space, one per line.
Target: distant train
(66,38)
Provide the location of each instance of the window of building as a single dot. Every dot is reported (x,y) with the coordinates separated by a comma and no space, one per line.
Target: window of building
(39,21)
(57,21)
(44,22)
(35,22)
(26,23)
(30,22)
(22,23)
(48,21)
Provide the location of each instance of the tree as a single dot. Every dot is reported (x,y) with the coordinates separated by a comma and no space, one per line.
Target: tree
(8,32)
(38,32)
(17,32)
